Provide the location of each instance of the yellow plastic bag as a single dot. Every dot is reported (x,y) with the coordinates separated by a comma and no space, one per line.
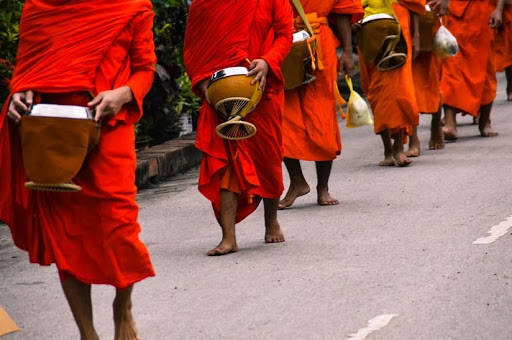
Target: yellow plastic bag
(358,113)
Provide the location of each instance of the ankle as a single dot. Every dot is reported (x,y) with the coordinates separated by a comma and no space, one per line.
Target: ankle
(122,304)
(271,224)
(229,239)
(88,335)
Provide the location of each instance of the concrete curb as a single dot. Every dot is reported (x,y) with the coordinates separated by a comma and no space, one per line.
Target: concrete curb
(166,160)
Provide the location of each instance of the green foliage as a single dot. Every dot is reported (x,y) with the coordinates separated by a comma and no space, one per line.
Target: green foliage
(10,12)
(171,94)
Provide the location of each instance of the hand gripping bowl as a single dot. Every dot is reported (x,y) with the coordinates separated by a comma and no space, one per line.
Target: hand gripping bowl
(231,93)
(55,140)
(380,40)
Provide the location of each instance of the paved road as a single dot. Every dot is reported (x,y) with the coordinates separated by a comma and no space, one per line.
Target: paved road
(398,250)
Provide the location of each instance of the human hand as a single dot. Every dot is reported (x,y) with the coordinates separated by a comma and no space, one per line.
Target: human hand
(108,103)
(440,6)
(19,105)
(203,87)
(496,19)
(357,26)
(346,64)
(259,68)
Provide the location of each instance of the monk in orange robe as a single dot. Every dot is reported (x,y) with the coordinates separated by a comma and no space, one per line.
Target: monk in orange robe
(503,48)
(236,175)
(426,73)
(469,81)
(68,50)
(391,93)
(310,124)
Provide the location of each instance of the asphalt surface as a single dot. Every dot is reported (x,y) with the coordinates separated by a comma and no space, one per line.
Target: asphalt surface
(399,244)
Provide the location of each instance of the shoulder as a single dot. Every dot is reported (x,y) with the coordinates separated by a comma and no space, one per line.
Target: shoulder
(141,21)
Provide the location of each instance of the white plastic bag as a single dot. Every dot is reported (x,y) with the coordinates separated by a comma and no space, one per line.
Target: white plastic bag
(358,113)
(445,44)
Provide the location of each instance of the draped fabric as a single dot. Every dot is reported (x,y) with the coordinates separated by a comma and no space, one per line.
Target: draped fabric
(81,47)
(469,80)
(503,42)
(391,93)
(426,73)
(223,34)
(310,124)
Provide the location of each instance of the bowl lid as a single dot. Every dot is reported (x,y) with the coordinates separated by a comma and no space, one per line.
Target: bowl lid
(300,36)
(374,17)
(228,72)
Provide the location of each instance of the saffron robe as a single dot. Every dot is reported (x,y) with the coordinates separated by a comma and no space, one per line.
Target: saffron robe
(503,42)
(310,124)
(82,46)
(469,80)
(426,74)
(249,29)
(391,93)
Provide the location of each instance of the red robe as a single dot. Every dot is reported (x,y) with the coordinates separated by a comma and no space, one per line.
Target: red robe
(426,73)
(503,42)
(310,124)
(391,94)
(469,80)
(248,29)
(82,46)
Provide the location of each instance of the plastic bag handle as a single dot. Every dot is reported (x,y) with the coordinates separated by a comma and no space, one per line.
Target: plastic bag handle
(349,83)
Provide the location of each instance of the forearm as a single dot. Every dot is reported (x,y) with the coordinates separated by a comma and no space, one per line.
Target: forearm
(344,29)
(500,4)
(140,83)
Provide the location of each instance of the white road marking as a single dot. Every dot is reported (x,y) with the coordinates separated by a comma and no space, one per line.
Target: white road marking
(496,232)
(374,324)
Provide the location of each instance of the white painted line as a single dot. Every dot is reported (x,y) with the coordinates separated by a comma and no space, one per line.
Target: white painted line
(496,232)
(374,324)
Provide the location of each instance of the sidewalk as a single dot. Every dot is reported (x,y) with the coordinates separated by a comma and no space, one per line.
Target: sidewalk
(166,160)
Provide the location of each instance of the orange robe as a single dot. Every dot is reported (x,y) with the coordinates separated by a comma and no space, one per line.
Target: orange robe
(248,29)
(503,42)
(426,74)
(469,80)
(80,47)
(391,94)
(310,124)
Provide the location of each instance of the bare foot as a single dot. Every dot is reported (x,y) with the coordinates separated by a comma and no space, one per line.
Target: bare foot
(414,144)
(124,323)
(388,161)
(401,159)
(509,97)
(225,247)
(450,133)
(324,198)
(293,192)
(436,141)
(414,151)
(488,132)
(273,233)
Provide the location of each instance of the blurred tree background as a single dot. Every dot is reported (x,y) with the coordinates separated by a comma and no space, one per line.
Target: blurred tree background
(10,11)
(171,95)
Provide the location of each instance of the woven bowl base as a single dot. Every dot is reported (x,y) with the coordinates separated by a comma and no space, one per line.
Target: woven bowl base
(60,187)
(235,130)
